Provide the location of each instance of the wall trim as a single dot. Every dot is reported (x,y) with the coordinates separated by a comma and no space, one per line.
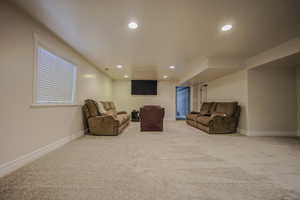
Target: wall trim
(268,133)
(273,133)
(13,165)
(242,131)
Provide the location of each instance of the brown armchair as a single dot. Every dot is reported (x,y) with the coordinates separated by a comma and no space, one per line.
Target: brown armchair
(103,124)
(151,118)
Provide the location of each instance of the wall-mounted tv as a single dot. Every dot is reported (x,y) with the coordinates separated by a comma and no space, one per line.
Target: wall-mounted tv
(144,87)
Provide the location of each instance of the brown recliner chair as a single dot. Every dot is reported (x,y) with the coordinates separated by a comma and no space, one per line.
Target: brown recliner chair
(103,124)
(151,118)
(216,117)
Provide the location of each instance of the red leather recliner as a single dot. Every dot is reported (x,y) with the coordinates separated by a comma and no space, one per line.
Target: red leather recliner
(151,118)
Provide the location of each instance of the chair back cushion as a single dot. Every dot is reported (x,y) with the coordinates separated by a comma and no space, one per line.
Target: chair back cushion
(106,105)
(228,108)
(92,107)
(109,107)
(101,108)
(112,106)
(206,108)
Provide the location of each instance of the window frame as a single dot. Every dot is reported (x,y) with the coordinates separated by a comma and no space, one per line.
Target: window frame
(38,43)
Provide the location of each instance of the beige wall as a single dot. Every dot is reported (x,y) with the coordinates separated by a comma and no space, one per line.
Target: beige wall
(272,101)
(195,97)
(268,97)
(23,128)
(165,97)
(232,87)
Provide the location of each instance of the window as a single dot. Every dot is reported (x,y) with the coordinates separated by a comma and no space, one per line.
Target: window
(55,79)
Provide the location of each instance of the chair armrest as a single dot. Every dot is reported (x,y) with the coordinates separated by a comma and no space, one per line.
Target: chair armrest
(103,125)
(222,124)
(193,112)
(121,112)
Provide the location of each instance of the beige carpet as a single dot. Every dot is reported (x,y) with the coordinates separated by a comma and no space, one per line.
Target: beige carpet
(180,163)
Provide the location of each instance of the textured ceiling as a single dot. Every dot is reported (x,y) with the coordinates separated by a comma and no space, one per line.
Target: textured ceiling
(171,32)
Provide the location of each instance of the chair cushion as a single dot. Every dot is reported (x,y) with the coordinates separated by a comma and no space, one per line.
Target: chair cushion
(203,120)
(112,105)
(106,105)
(101,108)
(122,118)
(192,117)
(228,108)
(111,112)
(206,108)
(92,107)
(218,114)
(109,106)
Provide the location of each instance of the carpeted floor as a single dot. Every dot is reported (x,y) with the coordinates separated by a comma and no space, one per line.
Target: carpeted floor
(180,163)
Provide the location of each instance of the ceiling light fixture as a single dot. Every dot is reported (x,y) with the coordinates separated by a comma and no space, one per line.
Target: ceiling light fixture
(133,25)
(125,76)
(89,76)
(227,27)
(119,66)
(172,67)
(165,76)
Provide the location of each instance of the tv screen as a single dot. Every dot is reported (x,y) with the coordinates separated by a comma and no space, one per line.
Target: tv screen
(143,87)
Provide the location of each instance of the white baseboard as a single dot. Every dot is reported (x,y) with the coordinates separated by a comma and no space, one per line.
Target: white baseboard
(242,131)
(170,120)
(268,133)
(13,165)
(272,133)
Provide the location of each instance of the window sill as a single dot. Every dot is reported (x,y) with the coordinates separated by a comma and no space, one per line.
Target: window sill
(53,105)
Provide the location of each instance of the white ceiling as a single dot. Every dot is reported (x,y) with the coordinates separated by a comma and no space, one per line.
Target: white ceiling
(171,32)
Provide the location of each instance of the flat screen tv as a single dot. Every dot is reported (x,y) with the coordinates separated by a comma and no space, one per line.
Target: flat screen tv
(144,87)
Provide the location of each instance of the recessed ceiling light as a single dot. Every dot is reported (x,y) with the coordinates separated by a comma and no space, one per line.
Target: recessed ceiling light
(172,67)
(125,76)
(119,66)
(165,76)
(227,27)
(133,25)
(89,76)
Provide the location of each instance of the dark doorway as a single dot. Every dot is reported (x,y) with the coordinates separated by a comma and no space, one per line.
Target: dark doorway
(183,102)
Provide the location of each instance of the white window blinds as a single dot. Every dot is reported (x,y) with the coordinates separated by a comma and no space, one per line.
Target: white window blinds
(56,79)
